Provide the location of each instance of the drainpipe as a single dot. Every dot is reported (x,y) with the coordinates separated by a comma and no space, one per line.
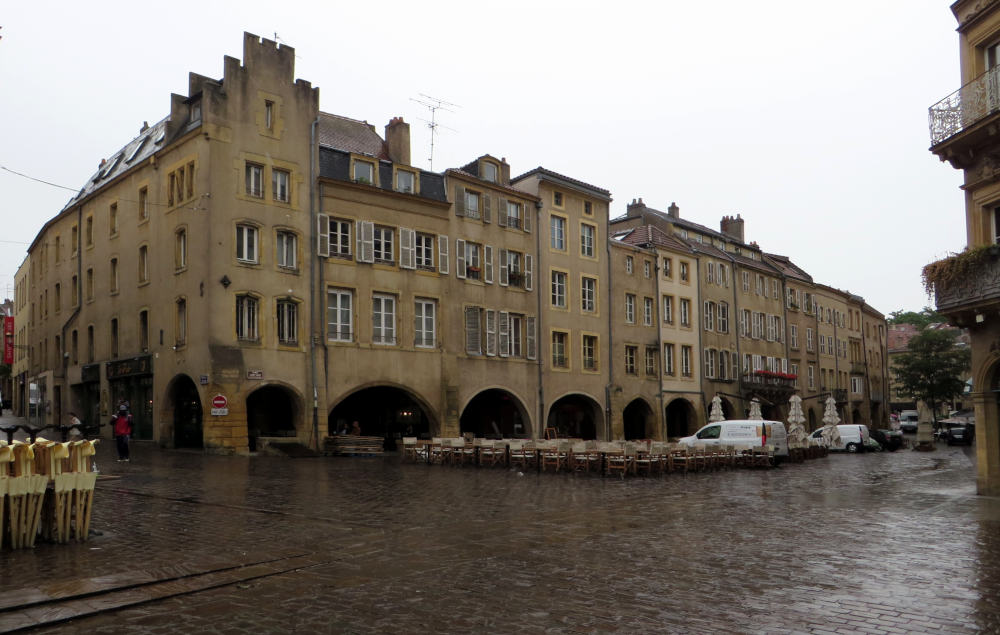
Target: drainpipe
(699,326)
(611,339)
(739,350)
(836,354)
(312,277)
(540,428)
(659,342)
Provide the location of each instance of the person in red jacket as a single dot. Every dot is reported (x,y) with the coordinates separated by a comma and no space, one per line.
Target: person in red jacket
(122,426)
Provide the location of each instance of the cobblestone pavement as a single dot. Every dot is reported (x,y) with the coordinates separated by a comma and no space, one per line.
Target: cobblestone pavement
(877,543)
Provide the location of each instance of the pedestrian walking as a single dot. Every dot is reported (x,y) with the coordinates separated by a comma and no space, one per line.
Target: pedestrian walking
(122,426)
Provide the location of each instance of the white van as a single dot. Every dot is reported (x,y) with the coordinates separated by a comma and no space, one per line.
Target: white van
(743,432)
(853,438)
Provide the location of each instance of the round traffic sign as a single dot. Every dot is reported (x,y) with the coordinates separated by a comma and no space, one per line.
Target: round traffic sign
(219,401)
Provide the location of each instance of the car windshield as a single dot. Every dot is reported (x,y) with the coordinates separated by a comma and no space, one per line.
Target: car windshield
(711,432)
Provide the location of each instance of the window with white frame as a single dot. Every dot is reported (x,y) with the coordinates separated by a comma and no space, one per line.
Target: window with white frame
(383,245)
(472,204)
(513,215)
(587,233)
(775,293)
(255,180)
(247,318)
(405,181)
(246,243)
(760,288)
(794,335)
(281,184)
(710,272)
(685,312)
(180,249)
(559,358)
(686,352)
(143,264)
(630,308)
(629,264)
(489,172)
(722,314)
(647,311)
(809,339)
(745,322)
(288,322)
(746,282)
(557,232)
(340,238)
(723,370)
(710,363)
(364,172)
(631,352)
(559,289)
(287,254)
(646,268)
(668,309)
(425,252)
(384,319)
(588,294)
(795,371)
(424,325)
(590,352)
(857,385)
(668,270)
(708,315)
(339,315)
(811,373)
(650,362)
(668,359)
(515,330)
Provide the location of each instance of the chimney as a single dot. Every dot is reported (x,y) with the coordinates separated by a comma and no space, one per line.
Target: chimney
(635,208)
(397,137)
(732,227)
(674,211)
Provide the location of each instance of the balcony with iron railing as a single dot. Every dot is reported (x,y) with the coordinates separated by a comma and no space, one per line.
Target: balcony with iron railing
(965,284)
(839,395)
(964,108)
(765,380)
(857,368)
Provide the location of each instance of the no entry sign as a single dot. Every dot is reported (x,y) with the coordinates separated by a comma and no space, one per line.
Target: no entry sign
(219,403)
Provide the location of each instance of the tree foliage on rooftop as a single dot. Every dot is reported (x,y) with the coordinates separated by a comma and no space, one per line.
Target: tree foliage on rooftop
(931,371)
(921,319)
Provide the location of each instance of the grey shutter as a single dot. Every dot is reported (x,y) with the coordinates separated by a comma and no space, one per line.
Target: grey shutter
(358,249)
(491,333)
(502,212)
(531,336)
(504,270)
(459,200)
(504,334)
(487,208)
(460,258)
(368,240)
(527,272)
(443,264)
(322,237)
(526,217)
(473,345)
(405,250)
(488,264)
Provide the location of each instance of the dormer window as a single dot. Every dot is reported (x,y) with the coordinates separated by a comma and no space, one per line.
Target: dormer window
(404,182)
(364,172)
(489,172)
(195,110)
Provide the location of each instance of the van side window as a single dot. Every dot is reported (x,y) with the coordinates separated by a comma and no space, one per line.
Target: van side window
(711,432)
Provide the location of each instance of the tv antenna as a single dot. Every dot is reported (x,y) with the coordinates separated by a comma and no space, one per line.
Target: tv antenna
(434,104)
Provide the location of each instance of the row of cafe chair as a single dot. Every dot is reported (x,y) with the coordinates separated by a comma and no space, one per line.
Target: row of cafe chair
(627,458)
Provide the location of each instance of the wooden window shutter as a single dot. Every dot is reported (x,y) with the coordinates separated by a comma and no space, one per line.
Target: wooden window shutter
(530,328)
(460,258)
(407,238)
(491,333)
(358,249)
(502,212)
(487,208)
(504,270)
(368,240)
(504,334)
(443,255)
(488,264)
(459,200)
(526,217)
(323,236)
(473,344)
(527,272)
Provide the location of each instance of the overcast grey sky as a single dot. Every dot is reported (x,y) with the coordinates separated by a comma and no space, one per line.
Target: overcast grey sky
(809,119)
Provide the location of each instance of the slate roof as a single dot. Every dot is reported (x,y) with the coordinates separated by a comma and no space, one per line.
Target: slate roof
(684,224)
(351,135)
(648,235)
(499,186)
(137,150)
(600,192)
(785,265)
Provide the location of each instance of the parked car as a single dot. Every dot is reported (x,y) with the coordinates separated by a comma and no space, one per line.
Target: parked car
(960,433)
(743,432)
(890,440)
(854,438)
(909,420)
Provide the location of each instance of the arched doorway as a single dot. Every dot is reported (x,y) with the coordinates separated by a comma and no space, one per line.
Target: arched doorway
(187,413)
(812,420)
(495,414)
(638,420)
(271,412)
(381,411)
(680,418)
(575,417)
(728,411)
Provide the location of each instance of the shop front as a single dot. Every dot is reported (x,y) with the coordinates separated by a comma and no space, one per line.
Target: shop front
(131,381)
(93,410)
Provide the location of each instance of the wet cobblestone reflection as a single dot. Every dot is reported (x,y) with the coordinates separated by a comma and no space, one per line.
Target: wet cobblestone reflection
(878,543)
